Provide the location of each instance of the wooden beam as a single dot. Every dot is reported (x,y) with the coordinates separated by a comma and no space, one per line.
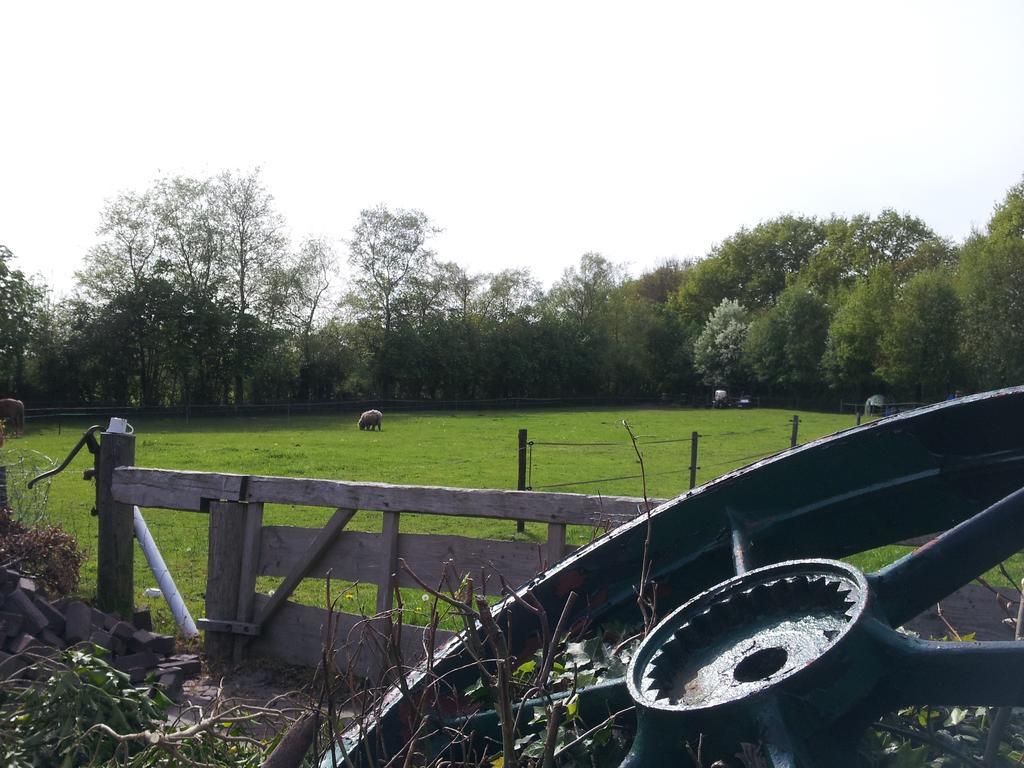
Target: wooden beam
(324,537)
(194,490)
(356,556)
(252,527)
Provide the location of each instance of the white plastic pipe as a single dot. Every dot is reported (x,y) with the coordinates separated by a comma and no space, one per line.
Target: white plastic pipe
(164,578)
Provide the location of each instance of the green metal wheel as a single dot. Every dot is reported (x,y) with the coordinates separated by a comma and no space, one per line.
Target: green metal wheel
(767,638)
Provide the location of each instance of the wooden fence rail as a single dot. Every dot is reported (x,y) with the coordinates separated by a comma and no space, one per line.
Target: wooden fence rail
(241,548)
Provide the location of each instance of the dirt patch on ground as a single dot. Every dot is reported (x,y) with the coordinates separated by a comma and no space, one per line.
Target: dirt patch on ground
(257,683)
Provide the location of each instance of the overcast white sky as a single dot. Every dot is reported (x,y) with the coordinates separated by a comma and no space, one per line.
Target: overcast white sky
(531,132)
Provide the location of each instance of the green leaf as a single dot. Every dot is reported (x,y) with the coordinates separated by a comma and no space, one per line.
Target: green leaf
(526,668)
(572,707)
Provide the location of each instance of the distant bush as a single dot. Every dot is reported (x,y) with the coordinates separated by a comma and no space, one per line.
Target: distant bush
(46,553)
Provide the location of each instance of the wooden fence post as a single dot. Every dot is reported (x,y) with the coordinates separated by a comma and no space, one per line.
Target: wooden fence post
(796,426)
(115,584)
(386,584)
(693,459)
(521,485)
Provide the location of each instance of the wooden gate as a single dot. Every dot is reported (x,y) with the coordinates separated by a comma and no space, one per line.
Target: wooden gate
(242,548)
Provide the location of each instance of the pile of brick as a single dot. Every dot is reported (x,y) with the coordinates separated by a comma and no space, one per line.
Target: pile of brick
(30,626)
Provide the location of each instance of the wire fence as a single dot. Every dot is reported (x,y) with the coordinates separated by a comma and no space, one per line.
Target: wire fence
(668,471)
(49,412)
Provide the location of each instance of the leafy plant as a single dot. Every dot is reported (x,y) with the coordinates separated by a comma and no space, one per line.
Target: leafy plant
(47,553)
(48,720)
(74,709)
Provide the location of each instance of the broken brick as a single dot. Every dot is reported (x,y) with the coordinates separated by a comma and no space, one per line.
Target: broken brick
(141,640)
(143,660)
(188,662)
(102,638)
(21,603)
(54,618)
(22,643)
(163,644)
(77,621)
(123,630)
(142,619)
(51,638)
(10,624)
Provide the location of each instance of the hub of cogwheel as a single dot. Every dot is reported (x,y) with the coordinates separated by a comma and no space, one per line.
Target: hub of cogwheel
(726,653)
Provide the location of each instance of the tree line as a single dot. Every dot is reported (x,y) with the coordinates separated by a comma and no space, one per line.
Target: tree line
(193,294)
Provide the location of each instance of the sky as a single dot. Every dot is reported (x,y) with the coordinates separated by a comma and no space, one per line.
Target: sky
(530,132)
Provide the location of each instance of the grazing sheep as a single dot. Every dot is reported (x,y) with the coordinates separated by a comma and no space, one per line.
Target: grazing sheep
(371,419)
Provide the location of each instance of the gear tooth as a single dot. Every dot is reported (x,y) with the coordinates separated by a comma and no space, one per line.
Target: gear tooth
(733,607)
(721,615)
(672,654)
(702,623)
(688,637)
(653,689)
(818,587)
(784,593)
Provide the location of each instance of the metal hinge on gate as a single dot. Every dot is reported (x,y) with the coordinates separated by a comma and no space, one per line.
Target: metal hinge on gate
(232,627)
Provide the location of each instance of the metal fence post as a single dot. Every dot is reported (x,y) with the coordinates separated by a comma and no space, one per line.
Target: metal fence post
(796,426)
(693,459)
(521,485)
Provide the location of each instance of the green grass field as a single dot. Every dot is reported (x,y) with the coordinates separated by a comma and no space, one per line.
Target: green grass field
(464,449)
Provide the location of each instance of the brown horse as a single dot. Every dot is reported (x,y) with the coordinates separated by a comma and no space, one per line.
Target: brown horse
(14,410)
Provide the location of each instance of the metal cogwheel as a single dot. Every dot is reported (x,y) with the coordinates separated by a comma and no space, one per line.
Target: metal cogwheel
(749,637)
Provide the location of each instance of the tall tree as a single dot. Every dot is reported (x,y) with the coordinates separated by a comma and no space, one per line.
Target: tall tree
(21,301)
(389,252)
(785,344)
(253,243)
(919,348)
(191,237)
(992,292)
(511,293)
(753,266)
(854,335)
(128,252)
(387,248)
(301,289)
(582,293)
(718,350)
(854,248)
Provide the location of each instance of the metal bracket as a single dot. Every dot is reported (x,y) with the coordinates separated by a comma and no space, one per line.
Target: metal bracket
(233,627)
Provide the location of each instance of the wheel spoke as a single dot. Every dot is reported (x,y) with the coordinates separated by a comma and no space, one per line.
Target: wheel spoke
(949,673)
(779,747)
(742,558)
(927,575)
